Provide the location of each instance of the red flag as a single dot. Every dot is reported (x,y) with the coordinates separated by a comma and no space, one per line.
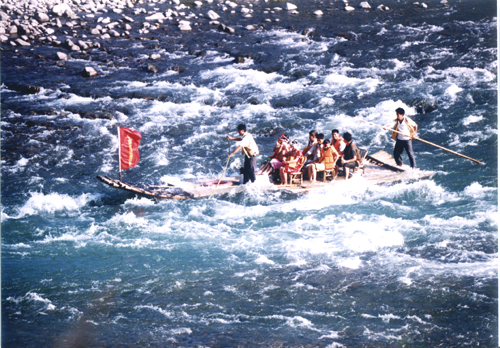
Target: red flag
(129,147)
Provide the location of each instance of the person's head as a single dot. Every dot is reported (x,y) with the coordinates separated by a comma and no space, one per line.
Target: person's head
(327,143)
(283,138)
(295,144)
(242,129)
(320,137)
(312,135)
(335,134)
(400,113)
(347,136)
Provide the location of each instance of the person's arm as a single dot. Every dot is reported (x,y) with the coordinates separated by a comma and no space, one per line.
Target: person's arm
(233,138)
(415,131)
(235,151)
(336,155)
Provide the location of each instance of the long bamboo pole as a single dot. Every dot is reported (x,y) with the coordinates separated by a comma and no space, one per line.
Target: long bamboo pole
(422,140)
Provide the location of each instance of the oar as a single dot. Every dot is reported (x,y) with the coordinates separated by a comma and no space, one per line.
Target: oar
(422,140)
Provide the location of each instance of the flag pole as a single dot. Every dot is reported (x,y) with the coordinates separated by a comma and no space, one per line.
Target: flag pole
(119,156)
(422,140)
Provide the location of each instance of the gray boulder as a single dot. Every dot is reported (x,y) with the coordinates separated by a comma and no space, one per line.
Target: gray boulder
(88,72)
(61,56)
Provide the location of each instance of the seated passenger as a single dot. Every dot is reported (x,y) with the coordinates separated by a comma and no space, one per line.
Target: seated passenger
(314,153)
(351,159)
(275,160)
(338,142)
(292,162)
(325,162)
(312,141)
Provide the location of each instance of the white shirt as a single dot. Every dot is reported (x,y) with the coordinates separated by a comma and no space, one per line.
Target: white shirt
(249,145)
(403,128)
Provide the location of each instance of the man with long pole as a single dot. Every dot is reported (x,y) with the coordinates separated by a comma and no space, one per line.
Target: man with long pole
(248,148)
(407,129)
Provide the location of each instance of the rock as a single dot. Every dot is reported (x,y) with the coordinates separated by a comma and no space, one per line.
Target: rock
(61,56)
(198,3)
(88,72)
(49,31)
(185,25)
(155,17)
(424,5)
(13,30)
(128,19)
(62,9)
(318,13)
(4,38)
(75,48)
(83,45)
(250,27)
(24,89)
(152,68)
(212,15)
(155,56)
(4,17)
(349,8)
(226,29)
(239,60)
(114,33)
(23,29)
(365,5)
(21,42)
(95,31)
(42,17)
(178,69)
(290,7)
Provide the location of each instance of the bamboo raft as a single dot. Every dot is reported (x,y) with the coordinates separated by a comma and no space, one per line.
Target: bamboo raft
(379,168)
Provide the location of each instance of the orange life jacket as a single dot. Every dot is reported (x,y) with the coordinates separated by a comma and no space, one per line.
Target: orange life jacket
(337,146)
(328,158)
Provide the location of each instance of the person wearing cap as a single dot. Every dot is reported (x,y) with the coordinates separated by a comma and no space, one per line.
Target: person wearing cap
(249,149)
(403,124)
(292,162)
(275,161)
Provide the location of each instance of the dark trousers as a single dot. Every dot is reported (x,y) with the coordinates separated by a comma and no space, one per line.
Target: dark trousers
(398,150)
(249,169)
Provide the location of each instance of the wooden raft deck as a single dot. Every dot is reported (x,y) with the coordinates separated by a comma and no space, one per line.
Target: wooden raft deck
(379,168)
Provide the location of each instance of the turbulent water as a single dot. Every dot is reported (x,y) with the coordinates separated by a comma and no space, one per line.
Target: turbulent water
(407,264)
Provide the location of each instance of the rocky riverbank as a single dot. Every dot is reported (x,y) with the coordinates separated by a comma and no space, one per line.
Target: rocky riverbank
(83,24)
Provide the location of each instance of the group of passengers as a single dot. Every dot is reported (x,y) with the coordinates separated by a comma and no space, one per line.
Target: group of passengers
(319,155)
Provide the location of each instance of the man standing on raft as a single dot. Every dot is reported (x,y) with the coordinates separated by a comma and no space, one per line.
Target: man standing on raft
(249,149)
(403,142)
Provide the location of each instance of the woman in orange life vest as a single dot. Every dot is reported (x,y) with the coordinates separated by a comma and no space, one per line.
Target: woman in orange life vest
(275,161)
(292,162)
(327,160)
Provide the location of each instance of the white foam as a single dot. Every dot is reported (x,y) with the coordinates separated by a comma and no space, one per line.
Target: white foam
(52,203)
(472,119)
(157,309)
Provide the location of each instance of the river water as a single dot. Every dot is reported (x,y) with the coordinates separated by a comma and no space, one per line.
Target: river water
(406,264)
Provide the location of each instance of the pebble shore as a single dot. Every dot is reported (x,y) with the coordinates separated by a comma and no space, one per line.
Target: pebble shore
(83,24)
(78,29)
